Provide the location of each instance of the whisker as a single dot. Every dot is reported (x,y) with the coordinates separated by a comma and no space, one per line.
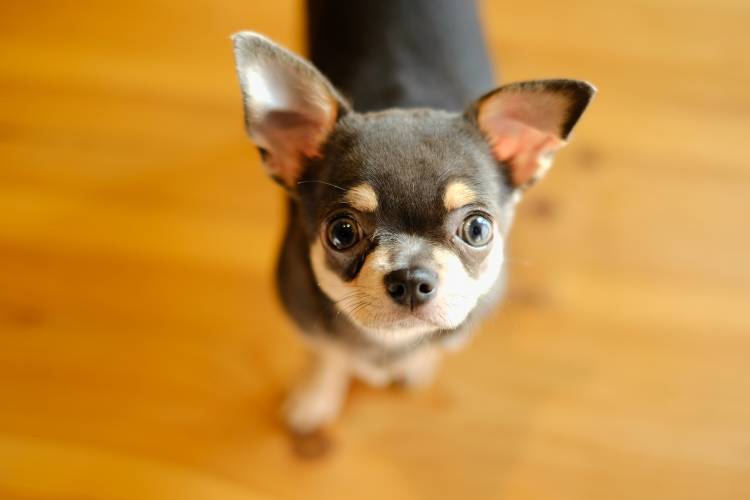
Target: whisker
(349,296)
(315,181)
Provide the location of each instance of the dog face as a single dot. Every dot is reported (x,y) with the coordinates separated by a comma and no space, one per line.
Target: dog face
(412,235)
(406,211)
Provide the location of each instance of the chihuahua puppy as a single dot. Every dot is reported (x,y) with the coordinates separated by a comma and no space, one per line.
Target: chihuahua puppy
(398,216)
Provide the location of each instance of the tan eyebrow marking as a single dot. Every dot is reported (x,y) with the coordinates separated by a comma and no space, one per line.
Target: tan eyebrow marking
(457,195)
(363,198)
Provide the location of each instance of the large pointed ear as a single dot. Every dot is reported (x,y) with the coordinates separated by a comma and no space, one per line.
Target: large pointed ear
(290,108)
(526,123)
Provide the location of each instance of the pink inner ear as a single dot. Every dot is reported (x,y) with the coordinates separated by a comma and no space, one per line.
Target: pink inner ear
(289,136)
(526,150)
(538,109)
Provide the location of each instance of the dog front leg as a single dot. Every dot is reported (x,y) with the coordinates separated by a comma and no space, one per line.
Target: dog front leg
(318,398)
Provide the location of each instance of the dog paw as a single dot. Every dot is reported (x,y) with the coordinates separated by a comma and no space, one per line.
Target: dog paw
(309,409)
(420,370)
(418,379)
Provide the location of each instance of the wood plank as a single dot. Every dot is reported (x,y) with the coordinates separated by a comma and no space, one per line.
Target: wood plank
(143,353)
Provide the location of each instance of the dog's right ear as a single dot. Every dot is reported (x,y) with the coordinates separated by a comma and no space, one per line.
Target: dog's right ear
(290,108)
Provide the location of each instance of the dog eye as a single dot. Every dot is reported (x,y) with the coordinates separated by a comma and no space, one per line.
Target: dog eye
(343,233)
(476,231)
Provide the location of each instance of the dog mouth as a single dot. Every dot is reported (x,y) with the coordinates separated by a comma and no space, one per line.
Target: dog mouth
(419,315)
(405,320)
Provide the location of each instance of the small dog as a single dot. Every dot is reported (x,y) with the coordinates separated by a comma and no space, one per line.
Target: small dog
(398,218)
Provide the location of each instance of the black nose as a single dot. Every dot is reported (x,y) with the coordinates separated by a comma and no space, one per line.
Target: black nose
(412,287)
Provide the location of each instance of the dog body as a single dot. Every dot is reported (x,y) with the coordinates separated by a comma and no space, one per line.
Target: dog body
(398,218)
(386,54)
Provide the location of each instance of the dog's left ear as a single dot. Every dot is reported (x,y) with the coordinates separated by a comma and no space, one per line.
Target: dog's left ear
(290,108)
(526,123)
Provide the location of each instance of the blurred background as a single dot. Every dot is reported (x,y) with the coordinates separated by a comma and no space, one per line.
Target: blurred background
(143,353)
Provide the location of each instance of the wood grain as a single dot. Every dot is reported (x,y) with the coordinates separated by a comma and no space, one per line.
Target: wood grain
(142,350)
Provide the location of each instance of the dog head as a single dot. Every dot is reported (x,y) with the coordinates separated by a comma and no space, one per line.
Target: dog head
(406,211)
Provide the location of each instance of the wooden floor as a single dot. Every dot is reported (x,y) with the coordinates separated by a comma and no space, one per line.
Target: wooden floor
(143,354)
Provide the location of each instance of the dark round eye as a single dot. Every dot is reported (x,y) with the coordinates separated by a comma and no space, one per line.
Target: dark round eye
(343,233)
(476,231)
